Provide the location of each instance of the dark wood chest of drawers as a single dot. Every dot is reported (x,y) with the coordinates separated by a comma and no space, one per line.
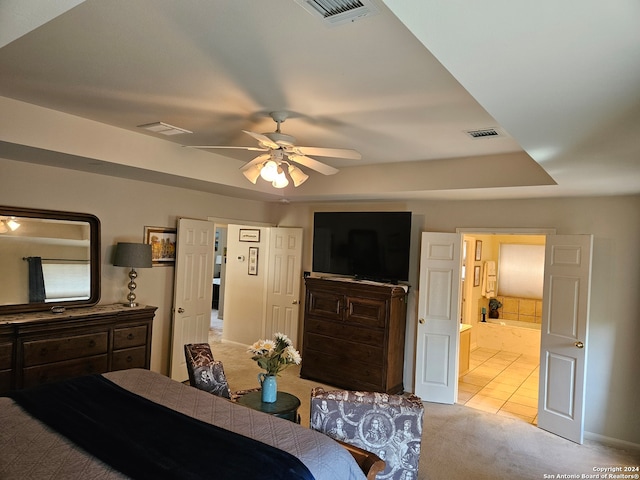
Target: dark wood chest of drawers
(354,334)
(38,348)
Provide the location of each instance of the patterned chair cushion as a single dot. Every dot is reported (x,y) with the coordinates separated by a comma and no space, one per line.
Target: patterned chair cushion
(388,425)
(207,374)
(211,378)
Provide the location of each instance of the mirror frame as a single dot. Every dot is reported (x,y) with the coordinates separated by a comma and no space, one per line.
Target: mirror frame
(94,227)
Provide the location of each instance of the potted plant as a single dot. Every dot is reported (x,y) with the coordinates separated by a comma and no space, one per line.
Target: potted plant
(494,305)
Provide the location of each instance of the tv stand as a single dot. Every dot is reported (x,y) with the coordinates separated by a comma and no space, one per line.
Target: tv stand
(354,334)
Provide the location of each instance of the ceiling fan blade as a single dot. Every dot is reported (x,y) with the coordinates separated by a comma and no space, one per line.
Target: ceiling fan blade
(253,149)
(259,159)
(329,152)
(263,139)
(313,164)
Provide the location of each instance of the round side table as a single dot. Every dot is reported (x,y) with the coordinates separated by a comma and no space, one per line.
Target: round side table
(285,406)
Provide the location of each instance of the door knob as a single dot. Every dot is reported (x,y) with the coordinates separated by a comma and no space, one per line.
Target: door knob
(180,310)
(295,302)
(579,344)
(421,321)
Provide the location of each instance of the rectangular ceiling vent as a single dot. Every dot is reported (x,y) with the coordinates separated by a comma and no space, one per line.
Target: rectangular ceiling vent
(164,128)
(339,12)
(484,133)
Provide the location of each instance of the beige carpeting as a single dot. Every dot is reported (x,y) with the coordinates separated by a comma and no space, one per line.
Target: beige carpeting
(459,442)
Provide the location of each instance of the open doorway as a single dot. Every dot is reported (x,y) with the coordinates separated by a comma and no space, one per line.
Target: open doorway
(500,357)
(217,301)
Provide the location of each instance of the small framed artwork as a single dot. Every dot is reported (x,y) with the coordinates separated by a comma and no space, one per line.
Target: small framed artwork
(253,261)
(163,245)
(249,235)
(478,250)
(476,276)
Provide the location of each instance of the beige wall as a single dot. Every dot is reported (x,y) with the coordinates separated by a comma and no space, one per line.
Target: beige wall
(125,207)
(613,386)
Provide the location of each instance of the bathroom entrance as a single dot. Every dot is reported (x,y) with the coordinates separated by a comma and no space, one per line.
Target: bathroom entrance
(499,357)
(567,273)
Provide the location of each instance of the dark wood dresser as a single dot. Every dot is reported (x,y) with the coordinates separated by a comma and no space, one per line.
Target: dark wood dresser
(43,347)
(354,334)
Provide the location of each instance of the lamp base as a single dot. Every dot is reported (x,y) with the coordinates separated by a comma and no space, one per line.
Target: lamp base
(132,286)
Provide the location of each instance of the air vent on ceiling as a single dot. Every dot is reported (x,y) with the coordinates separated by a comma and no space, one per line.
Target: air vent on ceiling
(338,12)
(484,133)
(164,128)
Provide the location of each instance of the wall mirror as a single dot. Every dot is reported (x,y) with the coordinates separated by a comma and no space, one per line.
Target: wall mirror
(49,259)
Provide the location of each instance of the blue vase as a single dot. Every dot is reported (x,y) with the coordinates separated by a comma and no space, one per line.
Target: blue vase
(269,387)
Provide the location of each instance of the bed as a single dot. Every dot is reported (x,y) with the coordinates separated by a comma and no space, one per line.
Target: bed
(31,449)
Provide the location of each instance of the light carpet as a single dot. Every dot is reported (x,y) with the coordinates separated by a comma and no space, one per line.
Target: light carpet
(459,442)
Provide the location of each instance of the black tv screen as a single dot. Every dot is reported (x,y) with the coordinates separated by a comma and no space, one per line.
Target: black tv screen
(367,245)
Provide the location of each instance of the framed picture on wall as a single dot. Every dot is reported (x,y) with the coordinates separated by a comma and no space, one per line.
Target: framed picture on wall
(249,235)
(163,245)
(476,276)
(478,250)
(253,261)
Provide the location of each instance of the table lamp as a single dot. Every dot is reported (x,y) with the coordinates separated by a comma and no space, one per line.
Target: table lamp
(132,255)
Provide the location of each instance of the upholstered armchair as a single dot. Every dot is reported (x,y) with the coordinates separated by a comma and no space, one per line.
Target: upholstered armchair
(207,374)
(388,425)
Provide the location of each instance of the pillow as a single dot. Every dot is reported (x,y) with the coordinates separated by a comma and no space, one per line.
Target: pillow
(211,378)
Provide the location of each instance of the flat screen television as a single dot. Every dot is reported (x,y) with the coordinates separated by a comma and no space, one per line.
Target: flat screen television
(365,245)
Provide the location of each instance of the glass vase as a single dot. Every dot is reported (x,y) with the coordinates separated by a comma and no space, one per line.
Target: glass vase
(269,387)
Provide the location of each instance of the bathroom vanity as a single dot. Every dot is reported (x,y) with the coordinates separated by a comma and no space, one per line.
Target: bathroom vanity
(464,352)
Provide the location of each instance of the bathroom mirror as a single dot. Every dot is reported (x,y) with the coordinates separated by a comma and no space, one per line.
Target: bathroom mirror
(49,259)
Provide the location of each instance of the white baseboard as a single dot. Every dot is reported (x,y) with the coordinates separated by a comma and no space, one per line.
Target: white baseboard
(612,442)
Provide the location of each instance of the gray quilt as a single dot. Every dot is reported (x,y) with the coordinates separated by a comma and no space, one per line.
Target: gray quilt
(29,449)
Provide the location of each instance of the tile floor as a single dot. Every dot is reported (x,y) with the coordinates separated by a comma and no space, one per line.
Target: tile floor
(501,382)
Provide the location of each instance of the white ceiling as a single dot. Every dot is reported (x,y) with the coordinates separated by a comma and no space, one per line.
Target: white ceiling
(559,80)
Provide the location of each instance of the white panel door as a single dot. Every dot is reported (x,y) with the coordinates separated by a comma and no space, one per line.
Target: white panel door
(193,289)
(438,318)
(563,346)
(283,284)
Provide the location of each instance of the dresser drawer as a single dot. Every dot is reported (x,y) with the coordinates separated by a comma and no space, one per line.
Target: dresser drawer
(38,352)
(129,337)
(129,358)
(6,355)
(345,350)
(353,333)
(55,372)
(341,371)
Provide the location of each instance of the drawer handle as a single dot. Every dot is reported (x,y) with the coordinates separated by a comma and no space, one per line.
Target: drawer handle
(92,343)
(129,359)
(131,336)
(43,352)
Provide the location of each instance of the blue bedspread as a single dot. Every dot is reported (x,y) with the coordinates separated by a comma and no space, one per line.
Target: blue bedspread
(145,440)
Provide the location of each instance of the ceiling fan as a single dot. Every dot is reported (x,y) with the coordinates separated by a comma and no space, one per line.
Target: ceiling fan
(282,154)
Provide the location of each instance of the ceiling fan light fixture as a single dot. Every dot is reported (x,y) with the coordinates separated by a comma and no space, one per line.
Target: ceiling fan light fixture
(13,225)
(252,173)
(269,171)
(281,180)
(297,175)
